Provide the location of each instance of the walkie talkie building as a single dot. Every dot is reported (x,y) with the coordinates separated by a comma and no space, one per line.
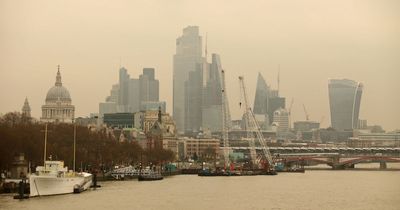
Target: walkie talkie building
(344,101)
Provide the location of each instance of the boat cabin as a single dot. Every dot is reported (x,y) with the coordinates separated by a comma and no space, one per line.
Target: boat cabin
(52,168)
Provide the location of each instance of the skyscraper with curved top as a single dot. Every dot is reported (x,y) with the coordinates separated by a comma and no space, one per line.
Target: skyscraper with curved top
(344,101)
(187,59)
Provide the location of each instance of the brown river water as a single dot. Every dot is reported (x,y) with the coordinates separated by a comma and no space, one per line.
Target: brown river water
(315,189)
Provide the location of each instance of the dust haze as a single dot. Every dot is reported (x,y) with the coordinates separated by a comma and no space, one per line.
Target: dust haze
(312,41)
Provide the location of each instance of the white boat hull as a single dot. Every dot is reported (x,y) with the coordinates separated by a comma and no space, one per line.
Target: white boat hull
(50,185)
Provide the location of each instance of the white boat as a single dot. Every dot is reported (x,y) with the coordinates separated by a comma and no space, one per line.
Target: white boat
(54,179)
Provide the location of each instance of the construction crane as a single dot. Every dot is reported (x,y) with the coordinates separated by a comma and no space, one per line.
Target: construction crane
(254,127)
(250,136)
(226,119)
(306,113)
(290,113)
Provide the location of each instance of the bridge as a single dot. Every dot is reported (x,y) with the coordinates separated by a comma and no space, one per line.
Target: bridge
(336,161)
(336,157)
(341,150)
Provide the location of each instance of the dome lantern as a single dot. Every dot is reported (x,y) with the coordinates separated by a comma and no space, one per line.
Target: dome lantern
(58,77)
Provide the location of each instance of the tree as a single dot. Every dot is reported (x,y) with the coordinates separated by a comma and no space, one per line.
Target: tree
(19,134)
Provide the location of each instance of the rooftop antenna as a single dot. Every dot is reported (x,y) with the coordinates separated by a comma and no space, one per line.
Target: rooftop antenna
(279,70)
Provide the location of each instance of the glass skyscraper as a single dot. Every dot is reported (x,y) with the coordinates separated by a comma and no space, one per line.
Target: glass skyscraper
(344,101)
(187,58)
(261,97)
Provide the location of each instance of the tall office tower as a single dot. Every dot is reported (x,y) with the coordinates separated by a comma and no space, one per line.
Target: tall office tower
(261,97)
(149,86)
(123,100)
(212,96)
(153,106)
(110,106)
(186,59)
(274,103)
(113,97)
(281,120)
(344,101)
(26,109)
(194,100)
(133,95)
(266,101)
(273,93)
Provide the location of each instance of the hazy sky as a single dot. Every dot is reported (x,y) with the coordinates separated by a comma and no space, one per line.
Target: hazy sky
(312,40)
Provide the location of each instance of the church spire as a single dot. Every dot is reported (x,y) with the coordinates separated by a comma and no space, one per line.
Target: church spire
(159,115)
(58,78)
(26,109)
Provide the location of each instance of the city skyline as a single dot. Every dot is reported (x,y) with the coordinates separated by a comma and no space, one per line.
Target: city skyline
(366,52)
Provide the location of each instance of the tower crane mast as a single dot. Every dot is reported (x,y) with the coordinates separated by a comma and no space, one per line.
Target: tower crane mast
(226,118)
(290,113)
(250,136)
(306,113)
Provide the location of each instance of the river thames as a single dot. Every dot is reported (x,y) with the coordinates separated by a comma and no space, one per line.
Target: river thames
(315,189)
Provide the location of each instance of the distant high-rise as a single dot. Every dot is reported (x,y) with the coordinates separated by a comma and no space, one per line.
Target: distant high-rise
(132,91)
(153,106)
(266,100)
(186,59)
(275,103)
(113,94)
(149,86)
(281,120)
(123,100)
(212,96)
(132,95)
(194,100)
(344,101)
(261,97)
(26,109)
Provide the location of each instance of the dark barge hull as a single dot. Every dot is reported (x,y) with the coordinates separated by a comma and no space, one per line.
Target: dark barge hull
(144,178)
(293,171)
(217,174)
(253,173)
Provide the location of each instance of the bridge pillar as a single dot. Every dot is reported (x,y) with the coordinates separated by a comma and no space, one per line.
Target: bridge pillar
(337,167)
(335,163)
(382,165)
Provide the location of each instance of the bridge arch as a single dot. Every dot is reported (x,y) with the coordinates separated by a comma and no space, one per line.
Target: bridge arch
(369,159)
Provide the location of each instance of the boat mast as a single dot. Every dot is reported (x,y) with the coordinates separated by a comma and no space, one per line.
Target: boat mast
(74,145)
(45,145)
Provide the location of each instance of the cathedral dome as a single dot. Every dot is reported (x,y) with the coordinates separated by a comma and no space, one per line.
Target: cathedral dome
(58,92)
